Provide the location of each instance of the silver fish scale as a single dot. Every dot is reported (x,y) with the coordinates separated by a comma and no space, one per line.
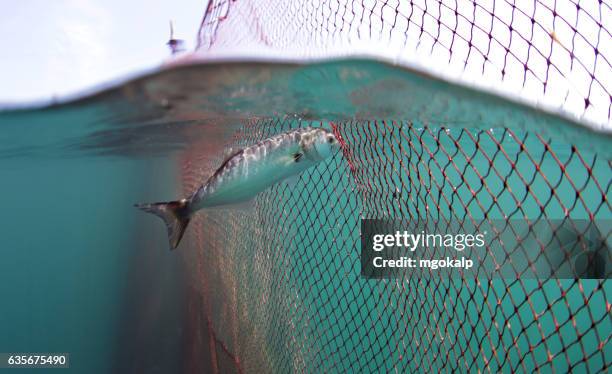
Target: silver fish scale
(239,162)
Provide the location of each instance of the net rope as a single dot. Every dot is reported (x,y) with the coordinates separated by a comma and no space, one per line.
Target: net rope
(555,53)
(279,288)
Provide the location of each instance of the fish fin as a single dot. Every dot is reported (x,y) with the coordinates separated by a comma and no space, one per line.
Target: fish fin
(298,156)
(292,158)
(176,216)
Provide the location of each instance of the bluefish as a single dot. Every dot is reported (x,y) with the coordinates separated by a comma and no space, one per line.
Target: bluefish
(247,172)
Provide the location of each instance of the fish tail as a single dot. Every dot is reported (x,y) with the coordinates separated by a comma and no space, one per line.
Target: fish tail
(176,216)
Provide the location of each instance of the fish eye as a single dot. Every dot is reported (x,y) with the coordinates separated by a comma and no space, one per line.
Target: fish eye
(331,140)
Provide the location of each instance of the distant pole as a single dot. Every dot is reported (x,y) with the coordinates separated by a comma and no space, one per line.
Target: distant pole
(176,45)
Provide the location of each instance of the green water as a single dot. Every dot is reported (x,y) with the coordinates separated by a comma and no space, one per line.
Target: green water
(85,273)
(321,315)
(79,273)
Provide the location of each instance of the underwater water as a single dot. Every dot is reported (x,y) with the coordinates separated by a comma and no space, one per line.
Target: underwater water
(280,289)
(79,274)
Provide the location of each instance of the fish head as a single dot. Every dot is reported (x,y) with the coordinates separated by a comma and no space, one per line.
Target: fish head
(325,144)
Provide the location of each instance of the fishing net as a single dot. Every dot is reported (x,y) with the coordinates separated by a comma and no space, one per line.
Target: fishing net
(278,288)
(549,52)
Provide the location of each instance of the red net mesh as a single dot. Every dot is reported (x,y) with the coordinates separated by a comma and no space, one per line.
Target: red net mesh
(279,289)
(282,287)
(555,52)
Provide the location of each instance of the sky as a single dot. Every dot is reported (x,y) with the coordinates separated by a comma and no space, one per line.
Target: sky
(56,48)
